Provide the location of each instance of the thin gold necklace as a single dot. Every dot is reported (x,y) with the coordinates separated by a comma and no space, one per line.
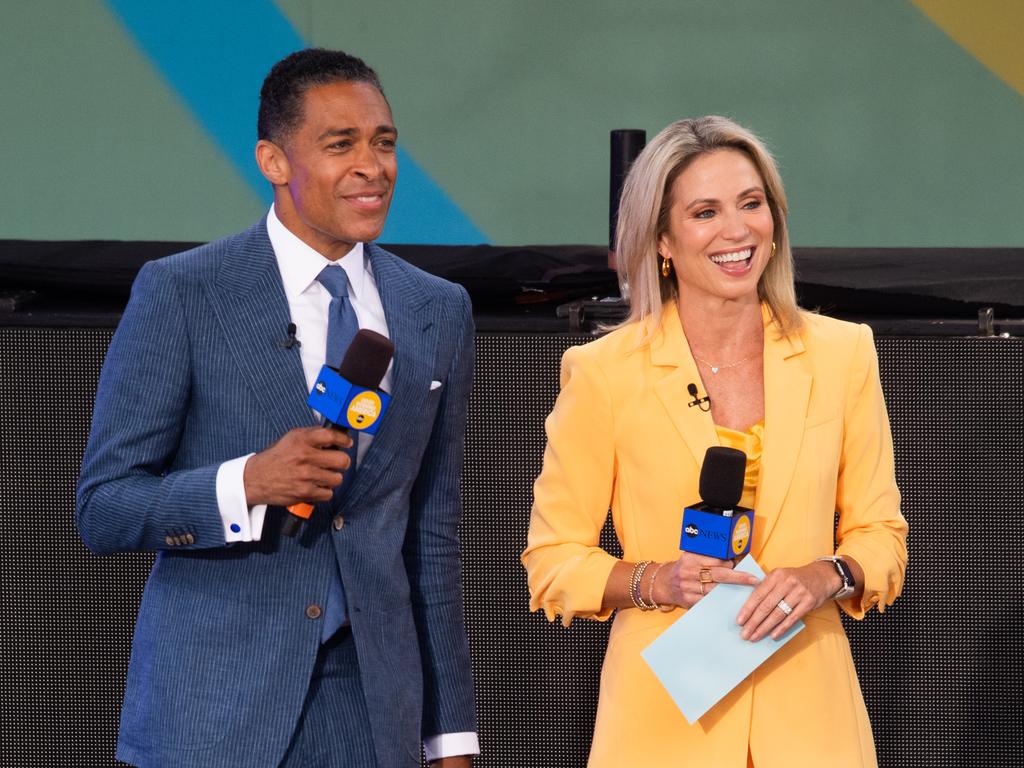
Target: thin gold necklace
(716,368)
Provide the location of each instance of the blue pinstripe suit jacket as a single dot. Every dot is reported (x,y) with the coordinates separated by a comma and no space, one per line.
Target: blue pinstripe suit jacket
(223,649)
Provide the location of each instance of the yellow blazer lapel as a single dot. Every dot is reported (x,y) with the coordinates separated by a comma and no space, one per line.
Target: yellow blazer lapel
(787,391)
(669,348)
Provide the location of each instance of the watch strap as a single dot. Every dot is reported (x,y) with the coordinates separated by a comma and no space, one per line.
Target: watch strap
(847,585)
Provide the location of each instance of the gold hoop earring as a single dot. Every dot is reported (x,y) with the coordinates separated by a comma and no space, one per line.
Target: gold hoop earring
(666,267)
(773,248)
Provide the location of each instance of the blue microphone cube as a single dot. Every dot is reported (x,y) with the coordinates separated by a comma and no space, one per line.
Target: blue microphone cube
(344,404)
(707,531)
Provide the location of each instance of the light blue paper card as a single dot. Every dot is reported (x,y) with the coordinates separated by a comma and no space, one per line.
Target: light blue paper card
(701,657)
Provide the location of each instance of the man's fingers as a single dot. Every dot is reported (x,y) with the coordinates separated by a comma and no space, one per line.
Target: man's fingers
(333,461)
(326,437)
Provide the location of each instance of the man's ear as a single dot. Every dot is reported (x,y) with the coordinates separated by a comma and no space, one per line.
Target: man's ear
(273,162)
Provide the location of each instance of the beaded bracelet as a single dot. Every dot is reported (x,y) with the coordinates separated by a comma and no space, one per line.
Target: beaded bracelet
(634,585)
(650,591)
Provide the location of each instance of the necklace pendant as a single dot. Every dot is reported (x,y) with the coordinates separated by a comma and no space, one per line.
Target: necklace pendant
(714,369)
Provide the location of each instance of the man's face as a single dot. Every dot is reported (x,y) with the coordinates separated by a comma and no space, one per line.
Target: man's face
(340,168)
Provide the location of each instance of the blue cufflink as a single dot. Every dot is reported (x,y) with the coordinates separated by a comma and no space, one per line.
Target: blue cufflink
(235,527)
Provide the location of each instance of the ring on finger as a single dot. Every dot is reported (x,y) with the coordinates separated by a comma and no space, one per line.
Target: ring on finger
(701,585)
(705,577)
(785,607)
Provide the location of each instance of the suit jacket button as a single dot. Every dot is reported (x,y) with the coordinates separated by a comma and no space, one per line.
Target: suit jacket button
(339,522)
(169,541)
(190,539)
(313,611)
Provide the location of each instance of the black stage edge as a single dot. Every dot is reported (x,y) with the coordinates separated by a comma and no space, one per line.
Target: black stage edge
(937,291)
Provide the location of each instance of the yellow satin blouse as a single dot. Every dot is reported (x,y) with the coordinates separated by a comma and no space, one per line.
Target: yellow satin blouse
(750,442)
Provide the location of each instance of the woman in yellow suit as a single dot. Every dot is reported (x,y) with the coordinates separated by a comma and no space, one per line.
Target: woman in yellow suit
(704,250)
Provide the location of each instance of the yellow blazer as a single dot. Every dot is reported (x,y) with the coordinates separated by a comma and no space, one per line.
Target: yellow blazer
(621,436)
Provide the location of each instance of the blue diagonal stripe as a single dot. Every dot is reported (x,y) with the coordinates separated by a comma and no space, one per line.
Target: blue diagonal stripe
(215,54)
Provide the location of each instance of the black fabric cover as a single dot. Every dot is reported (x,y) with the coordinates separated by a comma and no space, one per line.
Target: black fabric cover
(936,282)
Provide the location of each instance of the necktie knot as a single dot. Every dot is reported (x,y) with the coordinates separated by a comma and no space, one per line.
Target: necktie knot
(335,280)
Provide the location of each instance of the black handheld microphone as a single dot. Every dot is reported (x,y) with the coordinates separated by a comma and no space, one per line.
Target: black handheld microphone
(716,526)
(700,402)
(347,397)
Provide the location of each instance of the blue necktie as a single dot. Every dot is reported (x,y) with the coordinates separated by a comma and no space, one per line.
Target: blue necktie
(342,326)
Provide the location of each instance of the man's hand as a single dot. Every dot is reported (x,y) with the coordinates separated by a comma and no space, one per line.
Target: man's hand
(459,761)
(297,468)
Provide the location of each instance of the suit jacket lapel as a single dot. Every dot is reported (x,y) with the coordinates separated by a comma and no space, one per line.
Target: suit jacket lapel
(409,314)
(669,348)
(248,298)
(787,392)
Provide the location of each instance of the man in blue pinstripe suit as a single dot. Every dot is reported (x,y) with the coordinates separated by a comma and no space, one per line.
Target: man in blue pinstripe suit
(201,437)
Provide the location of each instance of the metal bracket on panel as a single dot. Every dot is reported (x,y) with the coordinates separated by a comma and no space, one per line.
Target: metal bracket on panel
(582,314)
(576,313)
(986,321)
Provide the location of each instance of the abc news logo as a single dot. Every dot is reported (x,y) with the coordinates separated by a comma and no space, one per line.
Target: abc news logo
(693,532)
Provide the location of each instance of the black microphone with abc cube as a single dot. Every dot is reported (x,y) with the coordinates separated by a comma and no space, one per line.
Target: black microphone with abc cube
(717,526)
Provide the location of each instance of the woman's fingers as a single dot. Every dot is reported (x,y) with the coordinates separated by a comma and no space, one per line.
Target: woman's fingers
(775,605)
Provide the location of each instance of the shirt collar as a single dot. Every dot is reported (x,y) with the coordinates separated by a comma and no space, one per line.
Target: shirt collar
(299,264)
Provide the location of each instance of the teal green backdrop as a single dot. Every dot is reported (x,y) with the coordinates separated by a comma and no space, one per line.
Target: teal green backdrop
(133,120)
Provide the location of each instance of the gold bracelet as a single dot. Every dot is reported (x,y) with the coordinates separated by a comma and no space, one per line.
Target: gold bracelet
(634,585)
(650,591)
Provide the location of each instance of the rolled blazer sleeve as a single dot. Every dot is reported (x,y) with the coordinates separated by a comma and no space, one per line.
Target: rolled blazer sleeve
(566,569)
(871,529)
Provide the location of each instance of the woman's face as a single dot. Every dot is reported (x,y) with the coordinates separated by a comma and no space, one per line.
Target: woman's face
(720,227)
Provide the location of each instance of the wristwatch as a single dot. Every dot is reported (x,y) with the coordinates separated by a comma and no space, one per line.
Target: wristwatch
(845,574)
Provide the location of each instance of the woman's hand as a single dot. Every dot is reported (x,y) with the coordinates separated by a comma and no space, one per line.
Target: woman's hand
(801,590)
(685,581)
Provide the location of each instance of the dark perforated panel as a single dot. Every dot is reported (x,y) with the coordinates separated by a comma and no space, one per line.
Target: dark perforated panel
(941,671)
(68,615)
(536,682)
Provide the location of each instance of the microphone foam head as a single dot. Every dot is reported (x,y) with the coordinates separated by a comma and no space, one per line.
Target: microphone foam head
(721,477)
(367,359)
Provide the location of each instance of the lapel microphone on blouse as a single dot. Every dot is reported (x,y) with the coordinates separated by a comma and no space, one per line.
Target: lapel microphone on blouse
(704,403)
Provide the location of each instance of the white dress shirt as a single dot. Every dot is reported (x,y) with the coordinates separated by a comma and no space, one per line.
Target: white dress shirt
(308,305)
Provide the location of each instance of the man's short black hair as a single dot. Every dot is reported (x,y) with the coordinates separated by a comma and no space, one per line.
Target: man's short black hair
(289,79)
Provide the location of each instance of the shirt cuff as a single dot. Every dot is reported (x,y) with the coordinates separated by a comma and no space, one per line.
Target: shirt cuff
(451,745)
(240,522)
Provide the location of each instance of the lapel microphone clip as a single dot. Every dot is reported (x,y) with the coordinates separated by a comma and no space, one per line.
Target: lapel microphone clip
(291,341)
(704,403)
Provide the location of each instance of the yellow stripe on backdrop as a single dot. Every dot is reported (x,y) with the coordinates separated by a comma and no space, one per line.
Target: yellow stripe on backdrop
(990,30)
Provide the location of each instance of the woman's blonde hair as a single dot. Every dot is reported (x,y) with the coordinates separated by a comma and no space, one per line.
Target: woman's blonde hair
(644,217)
